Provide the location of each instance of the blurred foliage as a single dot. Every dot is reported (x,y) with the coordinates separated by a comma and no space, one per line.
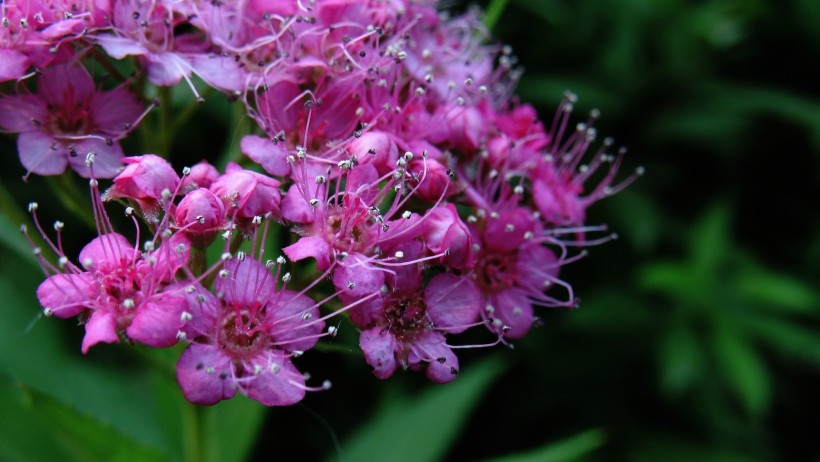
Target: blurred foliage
(699,336)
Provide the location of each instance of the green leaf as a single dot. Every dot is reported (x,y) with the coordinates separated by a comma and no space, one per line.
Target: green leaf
(63,430)
(671,278)
(790,339)
(232,427)
(33,352)
(710,242)
(777,292)
(745,372)
(681,359)
(570,449)
(421,428)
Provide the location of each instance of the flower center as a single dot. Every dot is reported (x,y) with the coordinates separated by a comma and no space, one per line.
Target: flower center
(241,336)
(406,316)
(496,272)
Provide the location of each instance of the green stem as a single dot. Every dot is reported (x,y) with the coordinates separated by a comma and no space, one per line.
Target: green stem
(494,11)
(182,118)
(194,424)
(242,126)
(165,129)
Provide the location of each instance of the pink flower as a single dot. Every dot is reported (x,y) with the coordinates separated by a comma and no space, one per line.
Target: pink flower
(66,119)
(405,326)
(148,179)
(200,215)
(247,194)
(244,339)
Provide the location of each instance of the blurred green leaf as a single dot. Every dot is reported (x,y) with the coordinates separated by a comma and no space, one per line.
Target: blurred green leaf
(421,428)
(743,369)
(672,278)
(790,339)
(710,242)
(33,353)
(777,293)
(668,450)
(681,359)
(567,450)
(240,418)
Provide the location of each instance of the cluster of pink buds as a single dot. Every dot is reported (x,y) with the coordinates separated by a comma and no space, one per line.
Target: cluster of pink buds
(411,197)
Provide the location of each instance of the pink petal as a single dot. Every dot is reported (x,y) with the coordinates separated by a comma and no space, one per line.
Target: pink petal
(220,72)
(453,302)
(271,156)
(513,309)
(157,321)
(379,347)
(291,329)
(120,47)
(112,110)
(66,295)
(107,161)
(21,113)
(106,252)
(279,382)
(13,64)
(442,364)
(296,208)
(249,283)
(101,327)
(310,246)
(357,278)
(205,375)
(37,153)
(66,85)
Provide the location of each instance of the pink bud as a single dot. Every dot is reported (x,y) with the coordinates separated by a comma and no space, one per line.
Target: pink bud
(202,175)
(201,215)
(249,193)
(434,179)
(443,230)
(376,148)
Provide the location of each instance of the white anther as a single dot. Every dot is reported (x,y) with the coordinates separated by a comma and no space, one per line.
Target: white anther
(89,159)
(223,274)
(166,234)
(420,91)
(489,309)
(332,330)
(509,227)
(128,303)
(320,179)
(181,248)
(32,206)
(181,336)
(383,289)
(58,226)
(399,254)
(200,219)
(36,251)
(528,235)
(426,53)
(88,263)
(190,289)
(210,370)
(518,189)
(326,385)
(297,353)
(240,255)
(494,215)
(351,285)
(225,256)
(129,211)
(186,171)
(482,89)
(256,220)
(257,369)
(286,278)
(48,312)
(166,194)
(406,214)
(274,368)
(93,182)
(280,260)
(200,298)
(62,261)
(314,202)
(306,316)
(471,219)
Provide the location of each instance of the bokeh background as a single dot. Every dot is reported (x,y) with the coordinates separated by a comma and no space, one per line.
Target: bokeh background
(698,337)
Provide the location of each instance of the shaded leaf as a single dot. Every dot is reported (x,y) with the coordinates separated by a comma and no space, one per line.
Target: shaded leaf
(421,428)
(567,450)
(745,372)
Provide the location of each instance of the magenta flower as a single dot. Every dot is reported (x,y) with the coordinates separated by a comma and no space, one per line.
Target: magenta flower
(243,339)
(66,119)
(123,291)
(147,179)
(406,326)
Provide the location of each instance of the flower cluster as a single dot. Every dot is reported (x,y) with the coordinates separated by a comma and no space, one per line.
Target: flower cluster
(388,154)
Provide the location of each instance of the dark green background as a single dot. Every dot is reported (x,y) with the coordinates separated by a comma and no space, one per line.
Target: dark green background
(698,334)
